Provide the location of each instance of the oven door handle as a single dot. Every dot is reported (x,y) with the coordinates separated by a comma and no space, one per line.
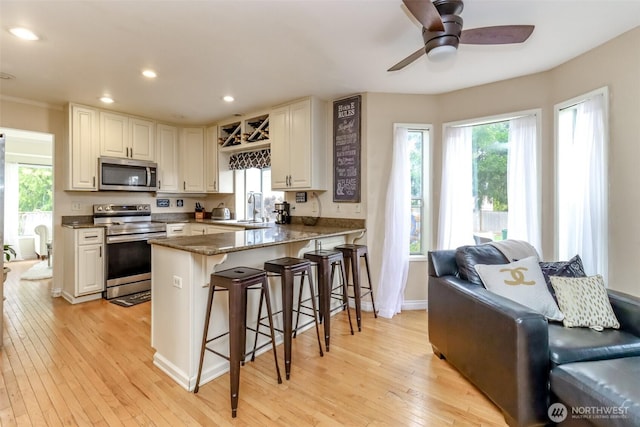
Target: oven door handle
(135,237)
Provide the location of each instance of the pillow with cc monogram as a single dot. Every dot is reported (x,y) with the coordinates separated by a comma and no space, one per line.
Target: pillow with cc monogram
(523,282)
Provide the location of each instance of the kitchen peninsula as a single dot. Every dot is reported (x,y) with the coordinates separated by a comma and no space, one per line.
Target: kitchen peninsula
(181,270)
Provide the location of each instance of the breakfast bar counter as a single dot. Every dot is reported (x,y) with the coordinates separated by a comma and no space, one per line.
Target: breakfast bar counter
(180,272)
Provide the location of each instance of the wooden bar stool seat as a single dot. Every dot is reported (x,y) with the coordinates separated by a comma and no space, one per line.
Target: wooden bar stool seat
(236,281)
(352,254)
(326,262)
(287,268)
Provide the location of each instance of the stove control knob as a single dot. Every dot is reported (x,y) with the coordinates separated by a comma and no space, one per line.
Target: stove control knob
(140,207)
(99,208)
(107,208)
(146,207)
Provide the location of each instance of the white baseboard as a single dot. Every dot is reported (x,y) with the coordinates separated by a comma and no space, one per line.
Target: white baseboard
(407,305)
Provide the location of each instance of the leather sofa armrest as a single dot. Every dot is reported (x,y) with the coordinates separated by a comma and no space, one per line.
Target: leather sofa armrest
(627,310)
(501,346)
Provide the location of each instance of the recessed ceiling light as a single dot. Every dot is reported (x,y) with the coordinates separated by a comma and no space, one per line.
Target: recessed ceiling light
(228,98)
(24,33)
(150,74)
(106,99)
(7,76)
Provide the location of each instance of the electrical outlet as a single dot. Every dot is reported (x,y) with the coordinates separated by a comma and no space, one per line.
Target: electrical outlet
(314,207)
(338,208)
(358,208)
(177,282)
(75,206)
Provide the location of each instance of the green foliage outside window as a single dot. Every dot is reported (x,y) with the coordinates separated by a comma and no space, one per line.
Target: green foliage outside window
(490,164)
(416,154)
(35,188)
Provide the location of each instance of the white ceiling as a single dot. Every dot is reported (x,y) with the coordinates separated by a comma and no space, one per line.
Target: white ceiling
(271,51)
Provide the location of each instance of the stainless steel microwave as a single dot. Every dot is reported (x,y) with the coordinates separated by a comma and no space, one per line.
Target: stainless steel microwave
(127,174)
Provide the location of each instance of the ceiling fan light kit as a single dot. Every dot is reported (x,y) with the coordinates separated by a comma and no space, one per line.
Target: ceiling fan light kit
(442,31)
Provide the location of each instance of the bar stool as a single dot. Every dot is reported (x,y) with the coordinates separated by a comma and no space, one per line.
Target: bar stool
(237,281)
(323,260)
(287,268)
(352,254)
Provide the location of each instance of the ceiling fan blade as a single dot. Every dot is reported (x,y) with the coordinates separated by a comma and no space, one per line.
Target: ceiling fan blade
(426,13)
(408,60)
(502,34)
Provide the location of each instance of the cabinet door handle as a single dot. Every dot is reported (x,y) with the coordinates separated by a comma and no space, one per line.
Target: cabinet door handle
(94,181)
(184,185)
(215,185)
(159,184)
(100,251)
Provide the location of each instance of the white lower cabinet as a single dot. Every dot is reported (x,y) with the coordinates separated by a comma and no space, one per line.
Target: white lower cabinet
(179,229)
(84,264)
(202,229)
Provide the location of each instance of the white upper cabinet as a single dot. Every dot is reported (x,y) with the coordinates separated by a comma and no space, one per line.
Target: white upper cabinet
(192,151)
(168,159)
(83,148)
(298,145)
(142,139)
(219,179)
(126,137)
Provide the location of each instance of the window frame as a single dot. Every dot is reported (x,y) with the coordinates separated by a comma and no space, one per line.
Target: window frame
(537,112)
(427,190)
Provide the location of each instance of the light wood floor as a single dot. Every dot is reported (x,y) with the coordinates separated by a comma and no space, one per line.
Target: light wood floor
(91,365)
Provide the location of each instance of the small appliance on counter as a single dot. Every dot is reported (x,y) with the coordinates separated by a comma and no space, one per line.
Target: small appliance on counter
(221,212)
(282,213)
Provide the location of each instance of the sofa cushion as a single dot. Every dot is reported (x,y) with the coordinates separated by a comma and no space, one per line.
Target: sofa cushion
(521,281)
(567,345)
(571,268)
(607,388)
(584,302)
(468,256)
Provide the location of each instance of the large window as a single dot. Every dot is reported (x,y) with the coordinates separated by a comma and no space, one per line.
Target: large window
(418,141)
(490,181)
(581,180)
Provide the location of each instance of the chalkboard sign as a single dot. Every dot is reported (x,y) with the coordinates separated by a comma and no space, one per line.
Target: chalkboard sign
(346,150)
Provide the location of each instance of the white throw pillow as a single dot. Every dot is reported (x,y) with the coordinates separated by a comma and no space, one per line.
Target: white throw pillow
(523,282)
(584,302)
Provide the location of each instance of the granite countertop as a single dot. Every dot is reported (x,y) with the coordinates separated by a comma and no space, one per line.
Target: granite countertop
(234,241)
(83,225)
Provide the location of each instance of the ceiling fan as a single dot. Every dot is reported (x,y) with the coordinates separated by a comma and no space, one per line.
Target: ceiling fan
(442,30)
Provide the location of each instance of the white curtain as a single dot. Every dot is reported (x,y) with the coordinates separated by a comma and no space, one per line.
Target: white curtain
(456,197)
(11,214)
(395,263)
(582,204)
(523,192)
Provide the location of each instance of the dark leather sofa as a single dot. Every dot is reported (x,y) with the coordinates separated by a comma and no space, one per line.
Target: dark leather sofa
(508,350)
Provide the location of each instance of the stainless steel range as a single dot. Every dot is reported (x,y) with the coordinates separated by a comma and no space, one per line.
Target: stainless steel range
(128,255)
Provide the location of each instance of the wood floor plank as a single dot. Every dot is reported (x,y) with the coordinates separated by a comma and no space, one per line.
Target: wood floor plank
(91,364)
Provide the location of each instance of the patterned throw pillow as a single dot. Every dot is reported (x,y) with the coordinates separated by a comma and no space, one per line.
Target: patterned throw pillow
(521,281)
(584,302)
(571,268)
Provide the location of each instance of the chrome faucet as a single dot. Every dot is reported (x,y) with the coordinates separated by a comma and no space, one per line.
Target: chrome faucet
(254,205)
